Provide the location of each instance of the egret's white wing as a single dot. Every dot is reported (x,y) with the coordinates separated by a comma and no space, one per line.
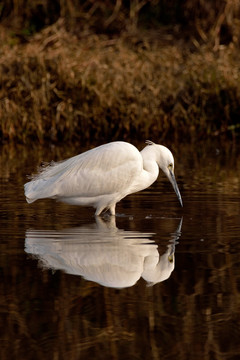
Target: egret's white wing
(106,169)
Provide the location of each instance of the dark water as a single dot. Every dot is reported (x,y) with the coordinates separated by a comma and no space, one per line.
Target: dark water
(157,282)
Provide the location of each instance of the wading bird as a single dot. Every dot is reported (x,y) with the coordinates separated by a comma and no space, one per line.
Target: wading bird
(102,176)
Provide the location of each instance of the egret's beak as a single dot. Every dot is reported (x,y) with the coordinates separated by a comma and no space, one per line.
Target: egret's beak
(175,186)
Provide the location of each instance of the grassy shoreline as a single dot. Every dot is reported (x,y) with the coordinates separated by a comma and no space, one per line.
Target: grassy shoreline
(57,87)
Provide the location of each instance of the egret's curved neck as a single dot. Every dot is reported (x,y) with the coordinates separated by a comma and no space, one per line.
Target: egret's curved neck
(149,156)
(149,172)
(150,165)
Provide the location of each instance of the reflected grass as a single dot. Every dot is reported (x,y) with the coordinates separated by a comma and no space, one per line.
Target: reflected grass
(193,315)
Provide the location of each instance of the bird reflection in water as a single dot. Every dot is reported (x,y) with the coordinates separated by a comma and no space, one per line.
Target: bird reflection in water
(102,253)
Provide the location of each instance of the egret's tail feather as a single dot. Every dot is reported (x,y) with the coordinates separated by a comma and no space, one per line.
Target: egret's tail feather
(29,201)
(29,192)
(37,189)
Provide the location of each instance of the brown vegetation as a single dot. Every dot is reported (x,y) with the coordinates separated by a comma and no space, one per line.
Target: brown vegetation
(104,70)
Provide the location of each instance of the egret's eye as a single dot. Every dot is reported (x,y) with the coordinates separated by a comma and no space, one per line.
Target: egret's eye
(170,166)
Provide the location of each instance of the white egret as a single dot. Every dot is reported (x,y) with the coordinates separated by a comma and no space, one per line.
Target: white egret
(102,176)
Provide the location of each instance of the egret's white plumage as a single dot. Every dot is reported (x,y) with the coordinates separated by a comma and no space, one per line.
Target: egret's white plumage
(102,176)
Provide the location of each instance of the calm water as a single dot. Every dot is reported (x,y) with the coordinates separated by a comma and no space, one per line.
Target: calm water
(157,282)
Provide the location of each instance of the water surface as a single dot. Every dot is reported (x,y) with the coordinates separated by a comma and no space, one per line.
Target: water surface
(157,282)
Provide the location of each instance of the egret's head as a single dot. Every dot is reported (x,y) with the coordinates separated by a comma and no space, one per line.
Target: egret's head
(166,163)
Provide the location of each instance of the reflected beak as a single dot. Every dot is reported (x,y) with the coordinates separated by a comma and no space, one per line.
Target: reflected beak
(175,186)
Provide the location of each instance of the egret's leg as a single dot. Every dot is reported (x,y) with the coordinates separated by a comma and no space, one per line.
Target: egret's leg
(112,209)
(98,211)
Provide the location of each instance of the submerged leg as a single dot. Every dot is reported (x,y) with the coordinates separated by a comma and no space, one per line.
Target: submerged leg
(98,211)
(112,209)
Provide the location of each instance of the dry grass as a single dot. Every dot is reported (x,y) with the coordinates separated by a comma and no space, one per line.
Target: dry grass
(58,87)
